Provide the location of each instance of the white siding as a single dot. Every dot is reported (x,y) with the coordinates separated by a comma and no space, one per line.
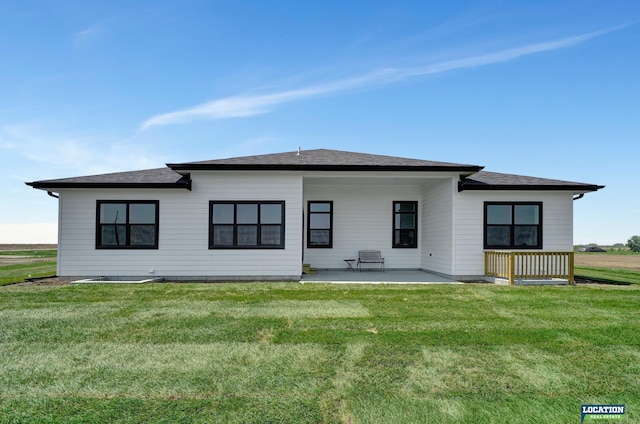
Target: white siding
(362,220)
(557,224)
(437,226)
(183,240)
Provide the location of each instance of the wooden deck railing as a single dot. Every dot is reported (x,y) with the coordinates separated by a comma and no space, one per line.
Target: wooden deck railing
(534,265)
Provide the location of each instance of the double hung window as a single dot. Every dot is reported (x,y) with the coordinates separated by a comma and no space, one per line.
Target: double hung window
(513,225)
(246,225)
(405,224)
(320,224)
(127,224)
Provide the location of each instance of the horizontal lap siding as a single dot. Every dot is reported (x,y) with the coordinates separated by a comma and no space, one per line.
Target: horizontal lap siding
(362,220)
(184,230)
(437,224)
(557,226)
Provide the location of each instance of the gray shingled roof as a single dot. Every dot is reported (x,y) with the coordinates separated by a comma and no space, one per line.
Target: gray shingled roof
(148,178)
(321,159)
(485,180)
(324,159)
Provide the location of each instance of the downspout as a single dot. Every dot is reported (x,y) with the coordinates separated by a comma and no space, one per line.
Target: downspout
(580,196)
(52,194)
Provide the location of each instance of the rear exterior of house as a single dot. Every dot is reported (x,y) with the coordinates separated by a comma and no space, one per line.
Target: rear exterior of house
(261,217)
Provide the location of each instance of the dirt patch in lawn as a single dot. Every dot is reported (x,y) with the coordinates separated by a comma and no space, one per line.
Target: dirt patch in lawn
(48,281)
(607,260)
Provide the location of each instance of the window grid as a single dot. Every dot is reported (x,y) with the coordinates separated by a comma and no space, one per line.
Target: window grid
(134,225)
(513,225)
(320,224)
(405,224)
(246,224)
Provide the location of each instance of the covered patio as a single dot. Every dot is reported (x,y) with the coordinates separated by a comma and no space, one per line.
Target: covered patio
(376,277)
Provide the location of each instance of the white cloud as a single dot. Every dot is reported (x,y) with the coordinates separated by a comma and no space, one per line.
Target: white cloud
(255,104)
(86,36)
(74,153)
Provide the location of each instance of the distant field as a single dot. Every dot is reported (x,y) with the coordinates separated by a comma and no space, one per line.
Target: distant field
(28,247)
(608,260)
(26,261)
(623,268)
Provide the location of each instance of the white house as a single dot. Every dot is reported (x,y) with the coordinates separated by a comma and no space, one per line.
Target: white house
(261,217)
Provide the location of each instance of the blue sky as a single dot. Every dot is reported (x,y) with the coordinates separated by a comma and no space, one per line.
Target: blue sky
(542,88)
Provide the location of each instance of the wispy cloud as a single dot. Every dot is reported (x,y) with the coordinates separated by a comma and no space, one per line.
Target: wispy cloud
(255,104)
(74,153)
(87,35)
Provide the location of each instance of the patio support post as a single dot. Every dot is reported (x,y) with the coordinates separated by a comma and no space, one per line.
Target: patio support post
(572,277)
(512,267)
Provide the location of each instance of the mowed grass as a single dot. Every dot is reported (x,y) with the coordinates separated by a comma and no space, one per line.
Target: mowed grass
(614,267)
(47,253)
(608,274)
(18,273)
(292,353)
(32,264)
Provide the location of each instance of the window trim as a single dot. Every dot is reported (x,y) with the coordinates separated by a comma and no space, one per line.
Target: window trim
(393,225)
(258,224)
(512,226)
(330,213)
(127,224)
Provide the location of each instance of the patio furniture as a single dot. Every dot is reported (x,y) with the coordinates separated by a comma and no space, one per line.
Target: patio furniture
(349,263)
(370,257)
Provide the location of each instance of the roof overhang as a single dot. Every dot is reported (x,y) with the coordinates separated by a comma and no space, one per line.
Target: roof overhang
(180,167)
(575,188)
(183,183)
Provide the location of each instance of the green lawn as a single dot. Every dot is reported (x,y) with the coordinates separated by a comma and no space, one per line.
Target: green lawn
(614,275)
(50,253)
(292,353)
(17,273)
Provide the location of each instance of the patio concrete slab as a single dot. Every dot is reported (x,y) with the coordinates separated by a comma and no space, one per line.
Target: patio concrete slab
(376,277)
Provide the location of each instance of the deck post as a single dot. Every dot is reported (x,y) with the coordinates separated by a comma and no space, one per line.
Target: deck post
(572,278)
(512,267)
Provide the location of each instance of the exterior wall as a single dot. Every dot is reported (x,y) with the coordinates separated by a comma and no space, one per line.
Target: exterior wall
(450,226)
(184,231)
(363,220)
(437,226)
(557,224)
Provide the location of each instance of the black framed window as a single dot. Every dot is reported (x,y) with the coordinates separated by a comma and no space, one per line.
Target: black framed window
(127,224)
(246,225)
(320,224)
(405,224)
(513,225)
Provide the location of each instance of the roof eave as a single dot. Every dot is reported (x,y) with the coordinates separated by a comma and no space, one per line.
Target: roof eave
(293,167)
(529,187)
(58,186)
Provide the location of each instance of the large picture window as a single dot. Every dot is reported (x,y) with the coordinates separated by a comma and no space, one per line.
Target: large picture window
(127,224)
(246,225)
(320,224)
(514,225)
(405,224)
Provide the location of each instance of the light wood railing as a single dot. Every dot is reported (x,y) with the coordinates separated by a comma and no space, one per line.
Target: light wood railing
(530,265)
